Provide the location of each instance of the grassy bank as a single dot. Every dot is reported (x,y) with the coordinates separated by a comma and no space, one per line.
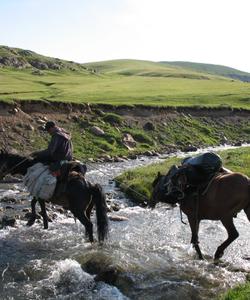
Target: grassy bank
(159,131)
(140,179)
(241,292)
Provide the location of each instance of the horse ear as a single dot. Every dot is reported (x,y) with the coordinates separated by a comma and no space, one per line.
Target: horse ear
(158,174)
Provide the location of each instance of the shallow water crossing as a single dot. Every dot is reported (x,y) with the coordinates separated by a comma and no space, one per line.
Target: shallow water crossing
(148,253)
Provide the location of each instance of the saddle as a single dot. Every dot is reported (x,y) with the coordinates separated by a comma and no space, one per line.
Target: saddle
(195,174)
(66,171)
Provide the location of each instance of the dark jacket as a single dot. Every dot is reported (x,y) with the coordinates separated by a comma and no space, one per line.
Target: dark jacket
(59,148)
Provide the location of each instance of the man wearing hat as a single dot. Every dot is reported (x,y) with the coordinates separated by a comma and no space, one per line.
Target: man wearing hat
(59,147)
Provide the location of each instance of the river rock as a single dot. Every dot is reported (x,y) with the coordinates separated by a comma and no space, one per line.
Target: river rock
(106,158)
(8,221)
(108,275)
(119,159)
(8,199)
(97,131)
(223,140)
(148,153)
(116,218)
(189,148)
(128,141)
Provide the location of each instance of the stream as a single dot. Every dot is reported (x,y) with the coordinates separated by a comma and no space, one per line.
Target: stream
(149,251)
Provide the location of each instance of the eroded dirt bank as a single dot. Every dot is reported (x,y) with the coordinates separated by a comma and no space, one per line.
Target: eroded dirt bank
(112,132)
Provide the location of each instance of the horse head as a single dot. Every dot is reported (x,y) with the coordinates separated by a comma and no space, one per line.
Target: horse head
(13,163)
(3,163)
(164,189)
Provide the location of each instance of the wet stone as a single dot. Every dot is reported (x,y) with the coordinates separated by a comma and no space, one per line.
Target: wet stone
(8,221)
(9,207)
(108,276)
(118,218)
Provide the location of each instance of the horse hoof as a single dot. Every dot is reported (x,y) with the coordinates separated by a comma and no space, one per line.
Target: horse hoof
(217,256)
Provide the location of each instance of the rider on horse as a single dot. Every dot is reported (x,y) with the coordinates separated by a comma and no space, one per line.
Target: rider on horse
(59,156)
(59,148)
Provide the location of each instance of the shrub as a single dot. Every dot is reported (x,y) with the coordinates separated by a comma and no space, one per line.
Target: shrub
(113,118)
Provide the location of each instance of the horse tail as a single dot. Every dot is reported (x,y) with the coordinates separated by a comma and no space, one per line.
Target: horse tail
(247,208)
(101,212)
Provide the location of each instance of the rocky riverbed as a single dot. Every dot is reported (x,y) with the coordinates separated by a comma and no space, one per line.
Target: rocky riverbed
(148,254)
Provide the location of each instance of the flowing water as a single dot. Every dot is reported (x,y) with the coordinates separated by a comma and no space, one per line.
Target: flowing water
(150,252)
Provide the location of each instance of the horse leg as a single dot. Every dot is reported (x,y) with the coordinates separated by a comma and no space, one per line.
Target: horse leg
(44,214)
(194,225)
(232,235)
(32,218)
(89,208)
(81,216)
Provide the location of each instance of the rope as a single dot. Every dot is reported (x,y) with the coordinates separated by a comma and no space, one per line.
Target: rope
(128,187)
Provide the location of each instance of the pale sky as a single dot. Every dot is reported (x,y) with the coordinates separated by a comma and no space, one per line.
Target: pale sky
(208,31)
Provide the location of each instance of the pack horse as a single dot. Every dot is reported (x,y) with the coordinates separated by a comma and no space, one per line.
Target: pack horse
(78,195)
(223,196)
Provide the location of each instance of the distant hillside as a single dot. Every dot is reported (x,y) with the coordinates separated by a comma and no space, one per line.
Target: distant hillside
(24,59)
(26,75)
(210,69)
(21,59)
(129,67)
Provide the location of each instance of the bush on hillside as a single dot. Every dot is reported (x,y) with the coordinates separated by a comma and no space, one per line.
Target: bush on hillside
(113,119)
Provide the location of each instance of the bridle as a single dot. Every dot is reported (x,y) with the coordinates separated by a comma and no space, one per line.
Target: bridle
(176,189)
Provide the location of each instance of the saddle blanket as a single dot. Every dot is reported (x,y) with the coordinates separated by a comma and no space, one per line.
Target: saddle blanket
(39,181)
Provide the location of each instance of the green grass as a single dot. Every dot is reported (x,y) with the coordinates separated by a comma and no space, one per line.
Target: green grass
(140,179)
(180,130)
(241,292)
(79,86)
(119,81)
(208,68)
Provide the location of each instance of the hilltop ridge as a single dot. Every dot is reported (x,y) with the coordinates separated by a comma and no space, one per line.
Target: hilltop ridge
(22,59)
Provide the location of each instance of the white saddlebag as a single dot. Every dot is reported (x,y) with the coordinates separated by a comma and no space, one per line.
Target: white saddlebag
(39,181)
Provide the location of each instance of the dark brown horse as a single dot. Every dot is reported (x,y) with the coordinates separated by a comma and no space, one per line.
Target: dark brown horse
(79,196)
(226,195)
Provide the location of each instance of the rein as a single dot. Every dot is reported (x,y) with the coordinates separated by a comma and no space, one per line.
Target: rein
(128,187)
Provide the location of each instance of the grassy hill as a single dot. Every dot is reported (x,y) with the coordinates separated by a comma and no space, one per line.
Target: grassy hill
(129,67)
(211,69)
(27,75)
